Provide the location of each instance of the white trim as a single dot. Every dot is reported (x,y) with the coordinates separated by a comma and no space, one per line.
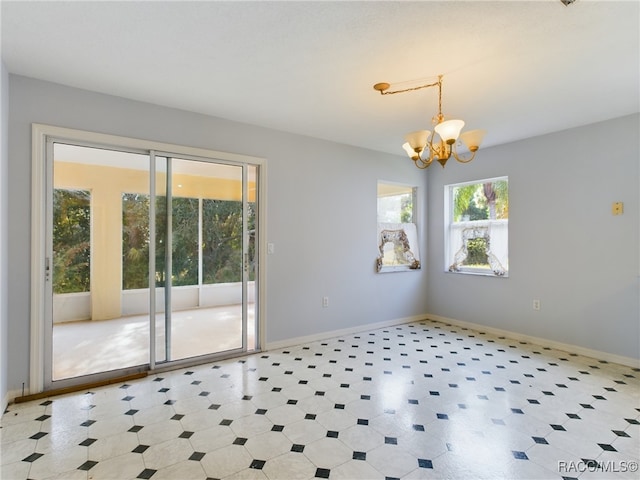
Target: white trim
(38,255)
(152,261)
(245,258)
(482,180)
(139,144)
(261,247)
(40,133)
(542,342)
(8,399)
(5,402)
(397,268)
(290,342)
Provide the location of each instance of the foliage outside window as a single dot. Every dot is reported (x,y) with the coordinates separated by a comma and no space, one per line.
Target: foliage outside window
(397,232)
(71,241)
(221,241)
(477,231)
(135,241)
(184,242)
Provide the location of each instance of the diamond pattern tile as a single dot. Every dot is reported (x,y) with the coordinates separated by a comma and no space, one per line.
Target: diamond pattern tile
(419,400)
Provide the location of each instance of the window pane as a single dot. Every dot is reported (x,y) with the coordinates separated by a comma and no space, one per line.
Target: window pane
(71,240)
(396,209)
(395,203)
(185,241)
(222,240)
(477,253)
(481,201)
(135,241)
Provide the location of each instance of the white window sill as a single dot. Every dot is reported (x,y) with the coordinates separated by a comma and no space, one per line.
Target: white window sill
(483,272)
(397,268)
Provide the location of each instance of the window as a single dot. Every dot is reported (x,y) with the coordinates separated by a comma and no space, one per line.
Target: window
(397,233)
(135,241)
(221,241)
(477,227)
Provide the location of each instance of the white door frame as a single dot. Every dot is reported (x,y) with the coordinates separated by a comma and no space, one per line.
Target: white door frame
(40,271)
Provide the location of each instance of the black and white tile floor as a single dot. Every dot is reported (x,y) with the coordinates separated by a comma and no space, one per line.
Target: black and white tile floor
(420,400)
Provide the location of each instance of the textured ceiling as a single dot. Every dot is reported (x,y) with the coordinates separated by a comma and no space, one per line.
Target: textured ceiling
(516,69)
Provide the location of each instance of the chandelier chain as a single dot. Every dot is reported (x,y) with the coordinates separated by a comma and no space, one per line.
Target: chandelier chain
(420,87)
(439,97)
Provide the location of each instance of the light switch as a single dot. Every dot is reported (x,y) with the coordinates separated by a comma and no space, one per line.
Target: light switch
(616,209)
(270,248)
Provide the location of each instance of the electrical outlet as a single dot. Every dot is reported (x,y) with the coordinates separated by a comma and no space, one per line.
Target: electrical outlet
(536,304)
(325,302)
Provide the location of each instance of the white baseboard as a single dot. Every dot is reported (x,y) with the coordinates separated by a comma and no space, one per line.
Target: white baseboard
(543,342)
(290,342)
(8,398)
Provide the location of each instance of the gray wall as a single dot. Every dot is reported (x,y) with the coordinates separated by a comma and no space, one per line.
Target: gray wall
(321,211)
(565,247)
(4,230)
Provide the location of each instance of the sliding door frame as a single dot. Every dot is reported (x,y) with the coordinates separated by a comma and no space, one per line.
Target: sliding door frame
(41,272)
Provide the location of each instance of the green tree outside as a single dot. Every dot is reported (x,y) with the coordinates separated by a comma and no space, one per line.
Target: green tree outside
(135,241)
(481,201)
(71,241)
(221,241)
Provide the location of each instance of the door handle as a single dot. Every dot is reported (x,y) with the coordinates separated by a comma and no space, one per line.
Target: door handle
(47,269)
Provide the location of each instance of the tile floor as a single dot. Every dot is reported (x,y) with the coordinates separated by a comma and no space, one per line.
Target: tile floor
(85,347)
(420,400)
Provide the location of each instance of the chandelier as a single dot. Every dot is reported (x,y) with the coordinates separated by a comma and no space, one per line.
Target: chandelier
(423,147)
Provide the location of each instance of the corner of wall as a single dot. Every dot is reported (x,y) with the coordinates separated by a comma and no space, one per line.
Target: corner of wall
(4,155)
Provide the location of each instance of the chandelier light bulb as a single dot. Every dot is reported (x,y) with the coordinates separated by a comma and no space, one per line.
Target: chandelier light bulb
(472,139)
(449,130)
(410,151)
(417,140)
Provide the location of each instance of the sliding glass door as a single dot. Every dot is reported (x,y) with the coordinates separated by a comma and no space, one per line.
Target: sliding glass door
(151,260)
(201,244)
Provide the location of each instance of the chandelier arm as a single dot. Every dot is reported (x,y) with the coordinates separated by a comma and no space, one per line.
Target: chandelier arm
(441,150)
(433,152)
(421,163)
(461,159)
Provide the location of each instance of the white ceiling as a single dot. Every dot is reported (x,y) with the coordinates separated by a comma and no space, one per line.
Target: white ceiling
(517,69)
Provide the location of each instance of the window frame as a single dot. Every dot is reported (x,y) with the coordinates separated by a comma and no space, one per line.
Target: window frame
(486,223)
(413,237)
